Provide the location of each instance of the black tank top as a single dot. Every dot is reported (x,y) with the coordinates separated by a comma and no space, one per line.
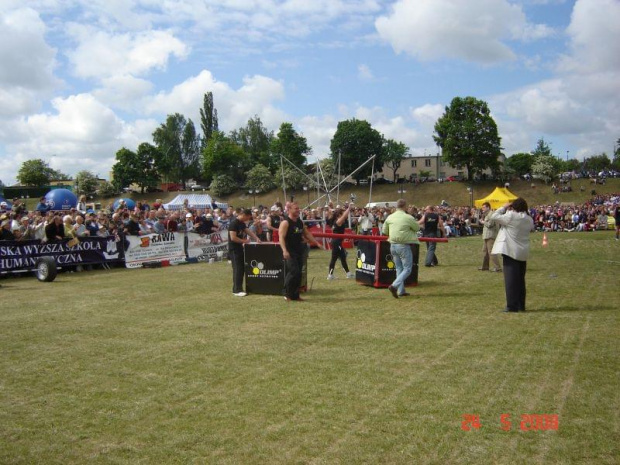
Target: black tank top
(275,221)
(294,235)
(430,224)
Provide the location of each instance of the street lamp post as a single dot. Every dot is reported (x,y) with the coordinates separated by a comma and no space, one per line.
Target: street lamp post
(253,192)
(470,189)
(567,154)
(401,190)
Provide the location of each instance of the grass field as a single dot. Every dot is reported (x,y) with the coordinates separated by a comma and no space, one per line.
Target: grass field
(159,366)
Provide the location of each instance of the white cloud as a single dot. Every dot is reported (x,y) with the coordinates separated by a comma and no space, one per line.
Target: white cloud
(427,115)
(475,30)
(365,73)
(102,54)
(234,107)
(26,73)
(125,92)
(80,134)
(595,37)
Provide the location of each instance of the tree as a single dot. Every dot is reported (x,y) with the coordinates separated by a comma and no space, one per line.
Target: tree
(145,172)
(223,184)
(208,118)
(597,162)
(260,179)
(293,179)
(542,148)
(468,136)
(35,172)
(394,154)
(291,145)
(255,140)
(177,140)
(520,163)
(125,170)
(107,189)
(354,142)
(86,183)
(543,167)
(544,164)
(223,156)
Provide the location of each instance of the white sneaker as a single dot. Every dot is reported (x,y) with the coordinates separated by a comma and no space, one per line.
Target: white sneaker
(240,294)
(350,275)
(330,277)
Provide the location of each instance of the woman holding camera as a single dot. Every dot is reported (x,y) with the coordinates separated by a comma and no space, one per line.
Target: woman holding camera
(513,243)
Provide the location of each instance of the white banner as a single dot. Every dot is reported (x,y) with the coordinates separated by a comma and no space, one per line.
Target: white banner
(166,247)
(212,247)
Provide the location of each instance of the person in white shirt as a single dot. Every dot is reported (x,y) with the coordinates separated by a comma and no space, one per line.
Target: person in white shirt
(513,243)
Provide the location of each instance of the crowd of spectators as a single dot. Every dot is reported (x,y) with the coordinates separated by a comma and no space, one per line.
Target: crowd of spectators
(19,224)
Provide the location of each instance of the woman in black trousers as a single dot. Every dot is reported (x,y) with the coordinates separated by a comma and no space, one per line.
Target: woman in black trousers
(513,243)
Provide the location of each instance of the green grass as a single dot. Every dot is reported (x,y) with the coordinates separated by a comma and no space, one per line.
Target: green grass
(165,366)
(455,193)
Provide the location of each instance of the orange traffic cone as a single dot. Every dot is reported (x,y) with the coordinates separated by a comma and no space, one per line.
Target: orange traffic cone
(545,240)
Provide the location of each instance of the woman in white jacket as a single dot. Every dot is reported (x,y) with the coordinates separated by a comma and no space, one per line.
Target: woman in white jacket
(513,243)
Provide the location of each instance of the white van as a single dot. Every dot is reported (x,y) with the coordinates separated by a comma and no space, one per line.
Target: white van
(381,204)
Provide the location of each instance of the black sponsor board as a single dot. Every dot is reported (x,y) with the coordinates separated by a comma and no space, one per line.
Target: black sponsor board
(17,256)
(264,269)
(375,267)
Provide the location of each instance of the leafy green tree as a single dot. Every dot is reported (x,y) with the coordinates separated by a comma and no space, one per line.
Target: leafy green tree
(86,183)
(354,142)
(223,184)
(544,164)
(291,145)
(107,189)
(208,118)
(394,154)
(597,162)
(223,156)
(177,140)
(146,174)
(293,179)
(520,163)
(260,178)
(255,140)
(468,136)
(125,170)
(35,172)
(542,148)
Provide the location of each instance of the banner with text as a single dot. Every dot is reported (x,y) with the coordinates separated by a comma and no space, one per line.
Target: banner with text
(22,255)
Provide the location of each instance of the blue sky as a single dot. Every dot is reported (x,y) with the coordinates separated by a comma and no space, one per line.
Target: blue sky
(81,79)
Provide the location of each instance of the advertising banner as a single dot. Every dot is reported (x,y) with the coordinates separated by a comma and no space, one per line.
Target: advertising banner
(18,256)
(265,270)
(204,248)
(167,247)
(375,264)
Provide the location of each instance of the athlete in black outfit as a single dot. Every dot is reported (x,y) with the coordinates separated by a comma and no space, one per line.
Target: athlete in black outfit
(292,232)
(337,223)
(432,225)
(237,231)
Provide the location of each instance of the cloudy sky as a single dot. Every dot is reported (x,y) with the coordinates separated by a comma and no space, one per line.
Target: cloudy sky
(80,79)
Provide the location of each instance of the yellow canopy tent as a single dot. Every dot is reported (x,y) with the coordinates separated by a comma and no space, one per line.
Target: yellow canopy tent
(497,198)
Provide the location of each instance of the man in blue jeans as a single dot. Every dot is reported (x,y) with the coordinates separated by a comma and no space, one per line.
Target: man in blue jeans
(433,227)
(402,231)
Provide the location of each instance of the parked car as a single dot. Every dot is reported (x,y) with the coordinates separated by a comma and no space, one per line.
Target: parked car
(153,189)
(454,178)
(197,187)
(383,181)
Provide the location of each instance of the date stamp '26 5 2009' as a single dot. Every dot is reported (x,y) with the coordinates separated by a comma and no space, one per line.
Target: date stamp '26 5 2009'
(529,422)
